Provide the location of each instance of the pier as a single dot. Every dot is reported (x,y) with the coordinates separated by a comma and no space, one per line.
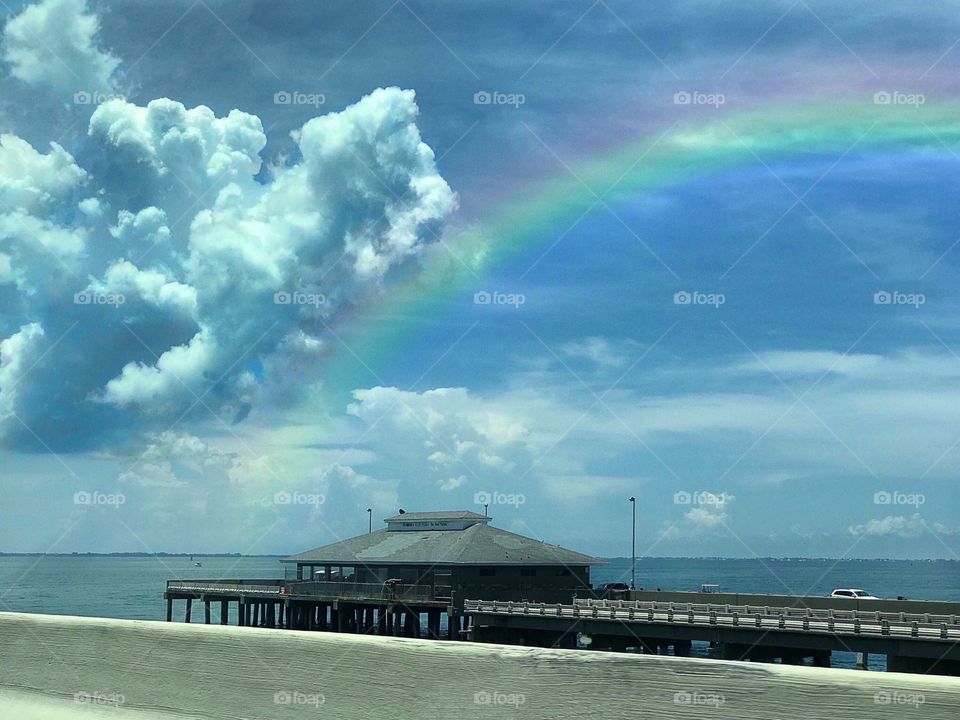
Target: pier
(911,642)
(451,575)
(366,608)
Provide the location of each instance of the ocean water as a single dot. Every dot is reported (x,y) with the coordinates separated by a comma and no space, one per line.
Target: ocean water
(132,587)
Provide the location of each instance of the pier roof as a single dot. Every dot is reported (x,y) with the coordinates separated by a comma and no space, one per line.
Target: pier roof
(477,544)
(438,515)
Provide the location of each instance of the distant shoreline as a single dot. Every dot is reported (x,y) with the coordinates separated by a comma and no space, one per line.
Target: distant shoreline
(135,554)
(626,559)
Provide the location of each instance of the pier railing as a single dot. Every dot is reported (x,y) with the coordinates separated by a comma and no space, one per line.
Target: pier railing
(834,622)
(213,587)
(312,588)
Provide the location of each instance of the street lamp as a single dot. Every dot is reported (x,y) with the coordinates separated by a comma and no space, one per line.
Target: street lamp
(633,546)
(369,520)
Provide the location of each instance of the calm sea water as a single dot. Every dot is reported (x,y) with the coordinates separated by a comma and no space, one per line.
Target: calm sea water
(132,587)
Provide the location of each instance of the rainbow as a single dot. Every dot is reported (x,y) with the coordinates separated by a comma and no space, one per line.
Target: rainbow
(679,153)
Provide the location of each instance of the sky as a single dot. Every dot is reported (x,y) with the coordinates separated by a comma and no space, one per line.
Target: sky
(264,267)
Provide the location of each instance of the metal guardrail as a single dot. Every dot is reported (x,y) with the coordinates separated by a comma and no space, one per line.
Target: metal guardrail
(833,622)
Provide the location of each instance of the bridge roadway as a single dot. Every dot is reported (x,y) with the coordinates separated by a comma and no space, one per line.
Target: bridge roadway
(912,642)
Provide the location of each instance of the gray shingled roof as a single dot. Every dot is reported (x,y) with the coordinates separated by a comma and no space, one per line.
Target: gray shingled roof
(479,544)
(438,514)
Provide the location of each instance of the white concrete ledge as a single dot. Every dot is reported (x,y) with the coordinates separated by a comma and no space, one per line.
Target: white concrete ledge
(67,667)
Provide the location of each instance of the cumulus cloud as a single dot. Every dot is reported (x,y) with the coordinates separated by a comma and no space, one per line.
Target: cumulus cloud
(54,43)
(16,352)
(912,526)
(172,276)
(32,182)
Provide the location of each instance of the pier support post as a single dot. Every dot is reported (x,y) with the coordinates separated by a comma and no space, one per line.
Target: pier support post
(169,609)
(863,661)
(682,648)
(283,614)
(224,612)
(186,614)
(453,627)
(433,624)
(256,615)
(241,613)
(206,612)
(821,658)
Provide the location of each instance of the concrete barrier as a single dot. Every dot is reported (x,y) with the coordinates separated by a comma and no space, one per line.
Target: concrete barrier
(54,667)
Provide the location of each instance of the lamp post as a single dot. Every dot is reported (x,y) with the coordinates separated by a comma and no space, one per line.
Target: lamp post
(633,546)
(369,520)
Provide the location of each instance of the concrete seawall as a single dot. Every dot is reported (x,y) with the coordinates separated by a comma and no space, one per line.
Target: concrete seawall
(55,667)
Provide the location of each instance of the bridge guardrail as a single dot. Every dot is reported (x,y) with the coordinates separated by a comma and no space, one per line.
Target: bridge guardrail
(834,622)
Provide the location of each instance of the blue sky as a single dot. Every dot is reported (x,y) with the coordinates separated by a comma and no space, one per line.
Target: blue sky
(799,417)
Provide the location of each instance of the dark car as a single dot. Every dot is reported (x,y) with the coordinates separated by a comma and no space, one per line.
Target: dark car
(612,589)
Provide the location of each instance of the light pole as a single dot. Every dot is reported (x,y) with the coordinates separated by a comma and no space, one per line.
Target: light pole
(369,520)
(633,546)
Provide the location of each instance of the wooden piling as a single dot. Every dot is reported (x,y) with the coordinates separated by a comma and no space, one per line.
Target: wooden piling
(224,612)
(186,614)
(206,611)
(169,609)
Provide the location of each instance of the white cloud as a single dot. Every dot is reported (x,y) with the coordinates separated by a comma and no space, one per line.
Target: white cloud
(452,483)
(200,293)
(912,526)
(16,353)
(54,43)
(32,182)
(595,349)
(178,370)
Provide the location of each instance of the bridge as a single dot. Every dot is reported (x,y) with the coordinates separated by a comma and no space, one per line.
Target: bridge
(912,642)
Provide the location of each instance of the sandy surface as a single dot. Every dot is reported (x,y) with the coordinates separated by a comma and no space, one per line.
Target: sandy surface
(65,667)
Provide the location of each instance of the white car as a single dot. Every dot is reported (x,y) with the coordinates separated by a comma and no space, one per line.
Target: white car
(853,594)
